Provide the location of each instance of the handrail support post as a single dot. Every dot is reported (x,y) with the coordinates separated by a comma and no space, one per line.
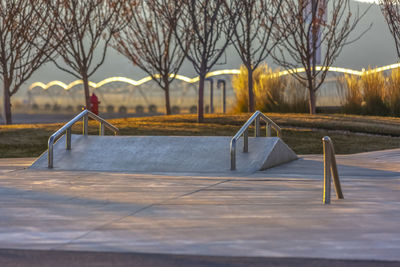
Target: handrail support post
(326,198)
(330,171)
(335,174)
(268,129)
(68,138)
(233,155)
(101,130)
(85,124)
(50,157)
(257,127)
(246,141)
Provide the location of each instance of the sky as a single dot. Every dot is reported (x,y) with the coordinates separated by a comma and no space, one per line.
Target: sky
(375,48)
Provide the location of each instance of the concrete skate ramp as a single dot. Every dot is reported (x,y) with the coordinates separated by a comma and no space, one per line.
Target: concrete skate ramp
(165,154)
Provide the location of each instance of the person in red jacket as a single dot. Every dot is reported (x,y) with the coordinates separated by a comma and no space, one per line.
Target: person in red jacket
(94,104)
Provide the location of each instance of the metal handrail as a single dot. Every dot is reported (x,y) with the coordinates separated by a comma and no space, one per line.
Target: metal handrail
(245,132)
(67,129)
(330,169)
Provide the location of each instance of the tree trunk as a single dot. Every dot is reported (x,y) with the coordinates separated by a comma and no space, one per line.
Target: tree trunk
(86,87)
(200,105)
(7,104)
(250,83)
(312,79)
(167,99)
(312,101)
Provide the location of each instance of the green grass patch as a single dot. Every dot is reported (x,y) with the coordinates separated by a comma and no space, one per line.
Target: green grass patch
(302,132)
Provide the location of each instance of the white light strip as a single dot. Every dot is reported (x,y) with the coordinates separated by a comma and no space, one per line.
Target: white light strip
(196,79)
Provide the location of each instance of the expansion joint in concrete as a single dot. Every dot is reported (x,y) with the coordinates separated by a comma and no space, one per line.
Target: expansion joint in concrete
(138,211)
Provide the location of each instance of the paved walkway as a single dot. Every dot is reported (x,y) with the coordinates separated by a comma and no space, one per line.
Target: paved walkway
(275,213)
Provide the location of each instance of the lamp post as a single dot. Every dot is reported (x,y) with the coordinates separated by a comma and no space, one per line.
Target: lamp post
(223,83)
(211,94)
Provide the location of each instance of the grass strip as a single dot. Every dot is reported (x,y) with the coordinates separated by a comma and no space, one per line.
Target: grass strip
(30,140)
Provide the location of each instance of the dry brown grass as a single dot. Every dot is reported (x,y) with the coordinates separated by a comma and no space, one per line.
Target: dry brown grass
(273,93)
(373,84)
(370,94)
(393,92)
(240,84)
(352,95)
(269,90)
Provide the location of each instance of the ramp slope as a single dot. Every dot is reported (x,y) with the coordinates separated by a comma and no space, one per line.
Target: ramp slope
(165,154)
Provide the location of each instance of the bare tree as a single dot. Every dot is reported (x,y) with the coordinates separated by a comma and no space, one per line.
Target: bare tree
(88,26)
(253,36)
(391,12)
(210,27)
(149,42)
(26,43)
(313,36)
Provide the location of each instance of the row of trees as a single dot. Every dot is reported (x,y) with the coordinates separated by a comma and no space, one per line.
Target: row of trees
(158,35)
(33,32)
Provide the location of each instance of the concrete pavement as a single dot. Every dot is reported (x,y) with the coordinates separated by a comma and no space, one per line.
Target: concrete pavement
(46,258)
(273,213)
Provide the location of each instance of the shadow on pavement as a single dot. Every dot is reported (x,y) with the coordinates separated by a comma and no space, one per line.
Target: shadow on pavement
(21,258)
